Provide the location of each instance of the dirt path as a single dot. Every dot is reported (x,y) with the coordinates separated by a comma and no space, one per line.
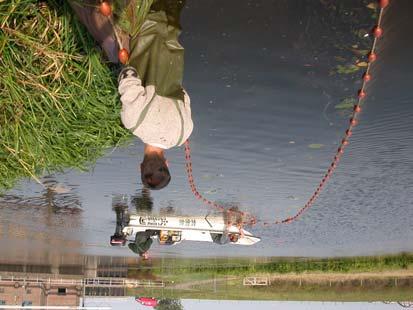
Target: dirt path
(304,277)
(317,277)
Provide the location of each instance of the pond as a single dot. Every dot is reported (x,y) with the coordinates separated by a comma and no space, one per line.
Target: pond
(272,86)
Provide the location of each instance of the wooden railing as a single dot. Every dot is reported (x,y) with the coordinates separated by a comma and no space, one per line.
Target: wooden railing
(87,282)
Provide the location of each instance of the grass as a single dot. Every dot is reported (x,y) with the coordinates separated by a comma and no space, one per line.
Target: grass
(230,291)
(330,279)
(59,106)
(170,268)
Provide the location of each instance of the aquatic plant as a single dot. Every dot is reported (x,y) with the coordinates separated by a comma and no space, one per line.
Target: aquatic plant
(59,106)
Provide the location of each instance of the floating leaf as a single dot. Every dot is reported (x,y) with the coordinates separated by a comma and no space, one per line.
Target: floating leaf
(315,146)
(372,5)
(345,104)
(347,69)
(361,64)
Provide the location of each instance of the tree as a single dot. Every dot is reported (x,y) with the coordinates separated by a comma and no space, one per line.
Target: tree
(169,304)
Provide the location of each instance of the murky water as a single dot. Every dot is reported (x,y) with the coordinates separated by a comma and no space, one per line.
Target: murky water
(266,129)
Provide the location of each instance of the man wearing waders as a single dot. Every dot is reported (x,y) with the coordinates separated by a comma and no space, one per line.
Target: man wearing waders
(155,107)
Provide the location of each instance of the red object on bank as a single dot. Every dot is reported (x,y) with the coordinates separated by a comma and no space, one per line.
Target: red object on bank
(146,301)
(105,9)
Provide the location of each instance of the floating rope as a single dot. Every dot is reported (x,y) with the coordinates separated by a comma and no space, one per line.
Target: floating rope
(377,32)
(188,165)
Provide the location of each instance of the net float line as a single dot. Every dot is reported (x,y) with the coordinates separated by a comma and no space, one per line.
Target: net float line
(377,32)
(199,196)
(105,8)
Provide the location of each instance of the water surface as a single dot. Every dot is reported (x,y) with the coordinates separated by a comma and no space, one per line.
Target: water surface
(259,77)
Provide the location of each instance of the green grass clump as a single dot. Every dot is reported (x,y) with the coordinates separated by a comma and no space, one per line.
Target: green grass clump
(59,105)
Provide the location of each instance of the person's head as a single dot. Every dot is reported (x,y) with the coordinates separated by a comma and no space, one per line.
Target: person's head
(144,255)
(233,237)
(154,171)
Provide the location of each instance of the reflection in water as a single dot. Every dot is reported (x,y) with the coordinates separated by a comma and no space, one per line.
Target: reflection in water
(273,148)
(140,227)
(90,276)
(54,197)
(268,127)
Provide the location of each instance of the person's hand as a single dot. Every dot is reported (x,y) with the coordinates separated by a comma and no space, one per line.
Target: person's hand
(127,72)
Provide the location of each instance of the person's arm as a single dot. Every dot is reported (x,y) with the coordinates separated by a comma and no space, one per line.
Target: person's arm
(132,95)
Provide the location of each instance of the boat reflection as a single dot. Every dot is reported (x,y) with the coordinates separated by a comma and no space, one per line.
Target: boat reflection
(138,227)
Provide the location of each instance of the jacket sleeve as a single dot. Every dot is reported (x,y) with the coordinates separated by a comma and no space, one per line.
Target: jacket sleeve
(132,95)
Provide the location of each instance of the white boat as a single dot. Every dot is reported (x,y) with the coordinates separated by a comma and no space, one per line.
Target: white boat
(175,229)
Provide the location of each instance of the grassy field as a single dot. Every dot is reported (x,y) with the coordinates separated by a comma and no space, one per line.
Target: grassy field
(374,278)
(59,105)
(244,266)
(233,289)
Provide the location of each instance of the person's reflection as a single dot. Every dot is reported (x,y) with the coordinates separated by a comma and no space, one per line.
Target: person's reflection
(143,242)
(120,206)
(231,216)
(224,238)
(142,202)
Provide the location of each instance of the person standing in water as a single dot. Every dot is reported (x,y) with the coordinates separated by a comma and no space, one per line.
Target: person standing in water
(155,107)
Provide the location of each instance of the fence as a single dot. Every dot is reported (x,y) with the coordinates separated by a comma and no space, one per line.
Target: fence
(88,282)
(256,281)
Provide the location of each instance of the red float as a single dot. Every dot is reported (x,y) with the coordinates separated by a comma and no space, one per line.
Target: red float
(377,32)
(361,94)
(353,122)
(357,108)
(372,57)
(348,133)
(383,3)
(105,8)
(366,77)
(123,56)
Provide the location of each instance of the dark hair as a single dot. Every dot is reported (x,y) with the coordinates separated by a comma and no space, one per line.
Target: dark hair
(155,172)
